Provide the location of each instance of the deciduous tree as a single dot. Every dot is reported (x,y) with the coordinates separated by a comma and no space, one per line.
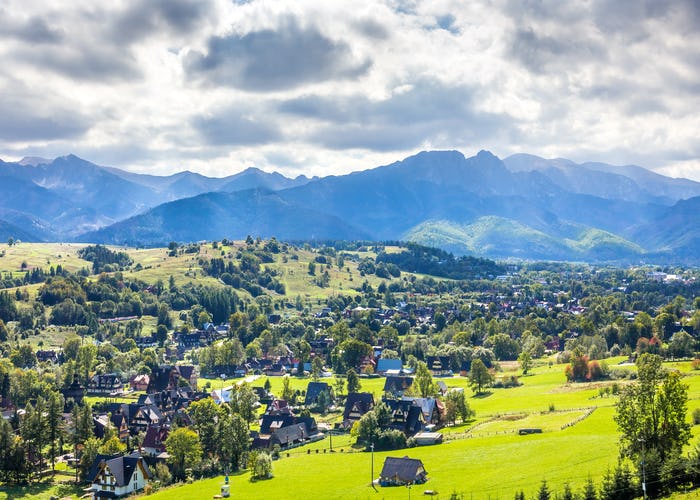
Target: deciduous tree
(184,450)
(479,376)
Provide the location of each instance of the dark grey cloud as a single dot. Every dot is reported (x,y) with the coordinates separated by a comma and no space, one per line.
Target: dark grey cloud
(35,30)
(84,61)
(36,119)
(429,112)
(543,52)
(147,17)
(279,59)
(371,28)
(231,127)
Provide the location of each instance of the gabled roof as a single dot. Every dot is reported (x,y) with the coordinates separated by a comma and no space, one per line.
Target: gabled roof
(427,405)
(121,467)
(438,363)
(155,437)
(97,464)
(270,423)
(397,384)
(360,402)
(290,434)
(313,391)
(186,371)
(404,470)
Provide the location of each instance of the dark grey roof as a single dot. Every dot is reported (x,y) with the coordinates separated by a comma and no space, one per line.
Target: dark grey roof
(121,467)
(395,385)
(290,434)
(404,470)
(313,391)
(361,402)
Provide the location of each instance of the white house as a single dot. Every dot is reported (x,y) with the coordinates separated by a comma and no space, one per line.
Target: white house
(118,476)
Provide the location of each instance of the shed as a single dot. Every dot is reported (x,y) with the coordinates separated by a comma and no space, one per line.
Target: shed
(402,471)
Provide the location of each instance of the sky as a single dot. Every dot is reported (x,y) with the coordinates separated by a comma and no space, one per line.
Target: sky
(328,87)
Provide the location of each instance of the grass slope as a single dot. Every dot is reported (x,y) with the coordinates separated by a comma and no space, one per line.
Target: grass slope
(499,237)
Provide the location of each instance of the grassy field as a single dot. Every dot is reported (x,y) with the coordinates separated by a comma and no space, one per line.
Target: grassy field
(153,264)
(485,458)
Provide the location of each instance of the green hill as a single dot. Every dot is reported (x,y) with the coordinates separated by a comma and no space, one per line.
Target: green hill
(501,237)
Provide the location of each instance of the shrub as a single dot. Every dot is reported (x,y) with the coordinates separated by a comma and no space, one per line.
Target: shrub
(696,416)
(260,465)
(695,365)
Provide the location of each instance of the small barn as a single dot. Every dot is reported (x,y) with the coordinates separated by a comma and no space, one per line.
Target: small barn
(402,471)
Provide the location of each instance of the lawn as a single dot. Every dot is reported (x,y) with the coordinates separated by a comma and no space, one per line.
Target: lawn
(481,467)
(483,459)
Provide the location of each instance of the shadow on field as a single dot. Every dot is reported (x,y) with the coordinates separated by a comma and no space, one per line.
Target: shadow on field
(482,395)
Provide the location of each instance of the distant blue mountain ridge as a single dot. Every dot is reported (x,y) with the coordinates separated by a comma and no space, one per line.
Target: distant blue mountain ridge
(523,207)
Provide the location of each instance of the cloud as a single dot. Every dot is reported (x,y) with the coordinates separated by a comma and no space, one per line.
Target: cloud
(231,127)
(35,30)
(148,17)
(30,119)
(280,59)
(426,112)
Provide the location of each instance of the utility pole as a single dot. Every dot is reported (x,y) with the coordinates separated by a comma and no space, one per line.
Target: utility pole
(371,483)
(644,472)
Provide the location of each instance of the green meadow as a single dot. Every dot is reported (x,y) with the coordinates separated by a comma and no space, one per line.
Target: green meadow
(482,459)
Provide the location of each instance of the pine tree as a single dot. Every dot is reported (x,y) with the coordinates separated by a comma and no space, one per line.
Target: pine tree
(589,492)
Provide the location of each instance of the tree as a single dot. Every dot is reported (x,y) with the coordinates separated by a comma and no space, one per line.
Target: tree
(205,415)
(423,382)
(34,431)
(112,446)
(287,391)
(567,494)
(479,376)
(54,422)
(316,368)
(323,401)
(543,493)
(244,401)
(260,464)
(525,360)
(161,334)
(456,407)
(184,449)
(90,450)
(353,381)
(651,413)
(339,386)
(589,491)
(235,438)
(352,351)
(682,345)
(3,331)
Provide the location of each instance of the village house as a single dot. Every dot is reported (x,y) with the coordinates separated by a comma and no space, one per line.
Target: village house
(402,471)
(117,476)
(314,390)
(73,394)
(356,405)
(105,385)
(154,441)
(49,355)
(439,366)
(406,416)
(395,386)
(386,366)
(139,382)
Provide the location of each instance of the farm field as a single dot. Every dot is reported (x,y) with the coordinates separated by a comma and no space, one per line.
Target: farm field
(484,459)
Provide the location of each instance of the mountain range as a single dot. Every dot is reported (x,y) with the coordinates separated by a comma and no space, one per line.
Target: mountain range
(522,206)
